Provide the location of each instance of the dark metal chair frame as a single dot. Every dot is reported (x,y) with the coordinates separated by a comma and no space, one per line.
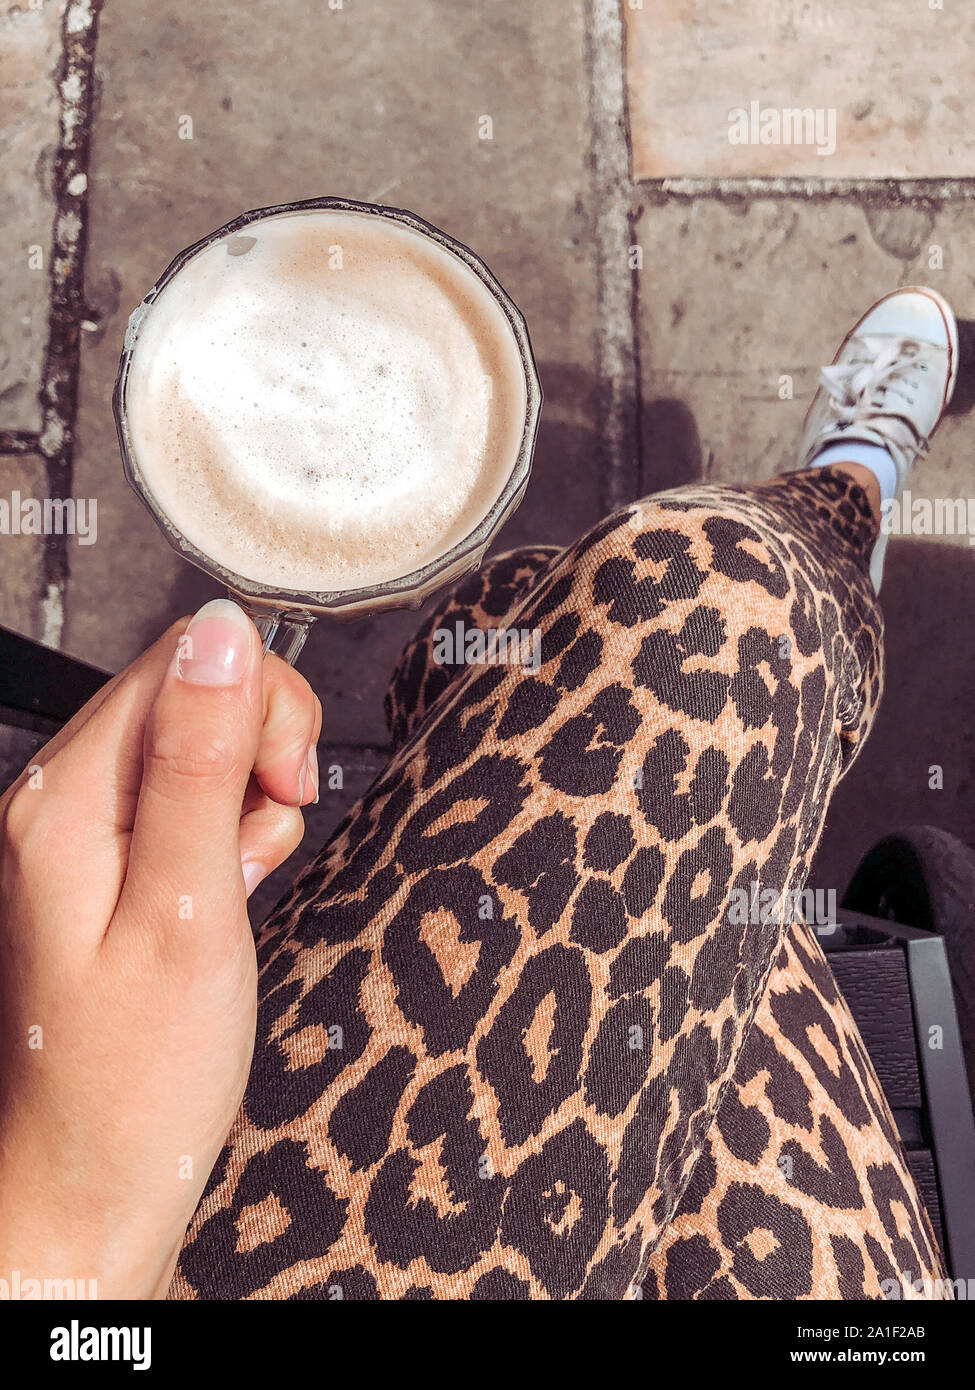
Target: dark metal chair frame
(936,1128)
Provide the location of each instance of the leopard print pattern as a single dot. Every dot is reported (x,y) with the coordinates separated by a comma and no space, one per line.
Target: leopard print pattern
(500,1011)
(802,1160)
(804,1082)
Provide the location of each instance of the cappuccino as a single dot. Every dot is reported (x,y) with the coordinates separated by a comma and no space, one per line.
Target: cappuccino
(325,400)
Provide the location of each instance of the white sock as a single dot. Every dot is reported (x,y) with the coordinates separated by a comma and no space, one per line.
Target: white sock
(878,460)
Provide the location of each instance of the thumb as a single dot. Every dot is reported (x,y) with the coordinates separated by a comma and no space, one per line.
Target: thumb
(201,741)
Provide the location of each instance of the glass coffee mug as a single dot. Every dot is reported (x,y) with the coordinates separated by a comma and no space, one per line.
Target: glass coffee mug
(283,617)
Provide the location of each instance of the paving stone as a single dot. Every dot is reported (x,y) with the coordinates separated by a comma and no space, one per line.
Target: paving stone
(21,556)
(896,77)
(743,301)
(736,296)
(30,49)
(377,101)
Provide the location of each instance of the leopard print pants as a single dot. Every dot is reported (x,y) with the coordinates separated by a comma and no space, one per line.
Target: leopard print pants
(515,1041)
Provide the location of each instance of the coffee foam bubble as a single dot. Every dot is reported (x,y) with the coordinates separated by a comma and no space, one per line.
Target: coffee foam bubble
(325,401)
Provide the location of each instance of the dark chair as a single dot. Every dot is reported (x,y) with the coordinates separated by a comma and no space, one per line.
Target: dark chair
(904,958)
(38,683)
(40,690)
(895,979)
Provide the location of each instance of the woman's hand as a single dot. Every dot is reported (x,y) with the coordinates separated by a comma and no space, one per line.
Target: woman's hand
(127,967)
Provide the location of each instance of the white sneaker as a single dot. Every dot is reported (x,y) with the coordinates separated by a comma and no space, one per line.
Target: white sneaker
(888,385)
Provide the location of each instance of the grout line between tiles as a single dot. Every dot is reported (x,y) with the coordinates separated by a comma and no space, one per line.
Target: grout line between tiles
(59,385)
(615,211)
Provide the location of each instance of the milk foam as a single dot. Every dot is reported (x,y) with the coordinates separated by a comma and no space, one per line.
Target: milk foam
(326,401)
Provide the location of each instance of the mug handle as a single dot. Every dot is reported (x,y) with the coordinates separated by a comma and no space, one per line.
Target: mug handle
(282,631)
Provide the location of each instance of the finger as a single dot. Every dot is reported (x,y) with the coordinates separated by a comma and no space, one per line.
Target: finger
(201,742)
(111,729)
(287,758)
(268,835)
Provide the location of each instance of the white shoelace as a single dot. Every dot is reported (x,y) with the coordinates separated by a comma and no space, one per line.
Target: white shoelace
(858,389)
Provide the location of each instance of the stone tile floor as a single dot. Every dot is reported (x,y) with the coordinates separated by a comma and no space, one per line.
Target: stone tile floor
(752,268)
(889,82)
